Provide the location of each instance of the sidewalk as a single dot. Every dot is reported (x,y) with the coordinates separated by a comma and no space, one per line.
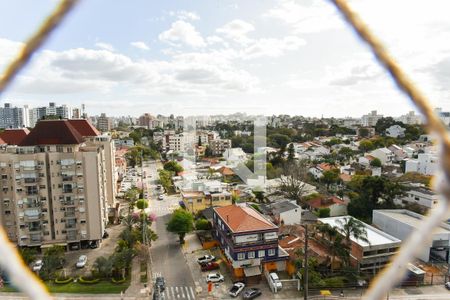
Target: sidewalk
(135,290)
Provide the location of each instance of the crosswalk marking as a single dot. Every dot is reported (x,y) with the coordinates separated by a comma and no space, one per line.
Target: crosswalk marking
(156,274)
(179,292)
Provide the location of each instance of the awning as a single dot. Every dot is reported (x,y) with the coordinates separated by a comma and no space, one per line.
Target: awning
(252,271)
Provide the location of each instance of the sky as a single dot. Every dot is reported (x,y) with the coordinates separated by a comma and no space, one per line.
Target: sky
(293,57)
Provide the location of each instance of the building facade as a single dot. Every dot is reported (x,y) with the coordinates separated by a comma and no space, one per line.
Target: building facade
(218,146)
(55,187)
(11,117)
(249,242)
(104,123)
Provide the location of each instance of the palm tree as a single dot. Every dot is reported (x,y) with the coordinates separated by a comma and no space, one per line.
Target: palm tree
(352,227)
(339,249)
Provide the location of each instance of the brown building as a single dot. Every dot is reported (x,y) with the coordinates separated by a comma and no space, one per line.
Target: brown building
(57,185)
(104,123)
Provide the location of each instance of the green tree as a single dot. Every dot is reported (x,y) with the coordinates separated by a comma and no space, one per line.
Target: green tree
(202,224)
(324,212)
(103,266)
(292,183)
(364,132)
(291,152)
(181,223)
(366,145)
(165,178)
(173,166)
(279,140)
(53,259)
(142,204)
(346,152)
(353,228)
(28,255)
(330,177)
(208,152)
(376,163)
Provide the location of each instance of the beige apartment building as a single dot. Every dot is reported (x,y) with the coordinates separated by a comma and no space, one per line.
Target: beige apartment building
(58,185)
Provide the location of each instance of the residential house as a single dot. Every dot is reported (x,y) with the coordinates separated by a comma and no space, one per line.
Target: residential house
(399,153)
(234,156)
(284,212)
(249,242)
(426,163)
(337,206)
(419,195)
(384,155)
(395,131)
(368,257)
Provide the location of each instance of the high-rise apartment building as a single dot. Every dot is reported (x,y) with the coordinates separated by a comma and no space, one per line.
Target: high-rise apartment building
(371,119)
(104,123)
(57,185)
(11,117)
(42,112)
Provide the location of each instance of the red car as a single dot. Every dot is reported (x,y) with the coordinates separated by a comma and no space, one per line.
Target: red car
(210,266)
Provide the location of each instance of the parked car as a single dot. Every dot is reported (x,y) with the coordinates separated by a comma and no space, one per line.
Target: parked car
(158,186)
(160,283)
(447,285)
(206,259)
(251,293)
(160,197)
(82,260)
(214,277)
(37,266)
(276,280)
(105,234)
(210,266)
(93,244)
(236,289)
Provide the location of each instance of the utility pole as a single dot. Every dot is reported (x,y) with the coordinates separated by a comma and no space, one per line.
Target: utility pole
(305,291)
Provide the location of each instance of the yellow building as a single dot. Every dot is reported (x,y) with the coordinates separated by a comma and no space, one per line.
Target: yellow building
(198,201)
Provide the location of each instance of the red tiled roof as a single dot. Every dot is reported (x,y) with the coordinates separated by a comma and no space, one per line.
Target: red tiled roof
(321,202)
(53,132)
(326,166)
(345,177)
(14,136)
(84,127)
(243,218)
(226,171)
(2,142)
(369,157)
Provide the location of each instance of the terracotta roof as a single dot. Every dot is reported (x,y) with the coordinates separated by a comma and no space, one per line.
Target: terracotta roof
(14,136)
(243,218)
(369,157)
(326,166)
(84,127)
(2,142)
(226,171)
(53,132)
(321,202)
(345,177)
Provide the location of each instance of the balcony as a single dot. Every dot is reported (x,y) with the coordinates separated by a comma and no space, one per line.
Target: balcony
(30,180)
(69,214)
(72,237)
(67,191)
(70,226)
(67,178)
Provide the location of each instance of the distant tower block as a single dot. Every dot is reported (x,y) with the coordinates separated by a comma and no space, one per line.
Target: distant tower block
(83,111)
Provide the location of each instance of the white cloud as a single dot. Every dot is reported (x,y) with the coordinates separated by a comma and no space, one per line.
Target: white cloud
(104,46)
(184,15)
(272,47)
(237,31)
(140,45)
(304,17)
(183,32)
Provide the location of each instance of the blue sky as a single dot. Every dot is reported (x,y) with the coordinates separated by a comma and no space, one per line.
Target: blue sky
(213,57)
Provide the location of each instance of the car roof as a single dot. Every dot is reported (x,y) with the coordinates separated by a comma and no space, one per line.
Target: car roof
(82,256)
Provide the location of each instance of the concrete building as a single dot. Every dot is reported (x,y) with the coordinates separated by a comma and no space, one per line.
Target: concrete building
(336,206)
(39,113)
(283,212)
(371,119)
(249,241)
(365,132)
(426,163)
(420,196)
(195,201)
(104,123)
(56,186)
(218,146)
(369,257)
(401,223)
(76,113)
(11,117)
(410,118)
(384,155)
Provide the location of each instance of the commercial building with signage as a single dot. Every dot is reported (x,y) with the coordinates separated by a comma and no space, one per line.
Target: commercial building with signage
(249,241)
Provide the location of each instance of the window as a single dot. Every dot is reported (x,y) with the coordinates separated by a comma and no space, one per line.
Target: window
(261,253)
(251,254)
(199,200)
(241,256)
(271,252)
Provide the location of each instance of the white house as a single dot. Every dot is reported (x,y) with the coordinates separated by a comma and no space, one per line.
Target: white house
(399,153)
(395,131)
(419,195)
(234,156)
(384,155)
(426,163)
(286,212)
(401,223)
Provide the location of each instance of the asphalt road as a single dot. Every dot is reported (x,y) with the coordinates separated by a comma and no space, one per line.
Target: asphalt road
(167,258)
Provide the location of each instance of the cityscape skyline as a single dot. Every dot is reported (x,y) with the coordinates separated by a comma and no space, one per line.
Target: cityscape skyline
(167,57)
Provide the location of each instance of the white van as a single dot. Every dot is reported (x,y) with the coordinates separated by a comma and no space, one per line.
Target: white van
(276,280)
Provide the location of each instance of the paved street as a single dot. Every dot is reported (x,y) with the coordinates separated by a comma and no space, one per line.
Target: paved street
(167,258)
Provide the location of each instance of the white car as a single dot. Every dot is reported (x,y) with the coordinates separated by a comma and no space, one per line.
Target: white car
(214,277)
(276,280)
(82,260)
(206,259)
(236,289)
(160,197)
(37,266)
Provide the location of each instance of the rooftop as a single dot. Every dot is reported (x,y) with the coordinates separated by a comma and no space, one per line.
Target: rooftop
(375,236)
(52,132)
(14,136)
(243,218)
(412,219)
(84,127)
(282,206)
(321,202)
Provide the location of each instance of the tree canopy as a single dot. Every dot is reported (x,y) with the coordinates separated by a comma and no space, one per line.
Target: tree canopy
(181,223)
